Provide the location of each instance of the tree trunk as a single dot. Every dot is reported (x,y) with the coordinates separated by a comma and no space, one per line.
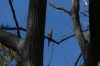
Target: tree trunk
(32,51)
(94,20)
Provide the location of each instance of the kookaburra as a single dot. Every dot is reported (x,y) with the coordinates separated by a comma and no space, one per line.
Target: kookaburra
(50,35)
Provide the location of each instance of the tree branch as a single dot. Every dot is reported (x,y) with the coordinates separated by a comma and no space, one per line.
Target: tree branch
(85,2)
(78,59)
(63,38)
(51,56)
(70,36)
(84,14)
(59,7)
(23,29)
(12,28)
(10,40)
(15,19)
(83,43)
(51,39)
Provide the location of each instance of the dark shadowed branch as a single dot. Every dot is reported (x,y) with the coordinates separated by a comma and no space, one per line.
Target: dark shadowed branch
(10,40)
(51,39)
(12,28)
(71,36)
(64,38)
(15,19)
(23,29)
(78,59)
(83,12)
(51,56)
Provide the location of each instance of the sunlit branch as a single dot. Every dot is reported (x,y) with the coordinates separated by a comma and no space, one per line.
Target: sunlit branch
(59,7)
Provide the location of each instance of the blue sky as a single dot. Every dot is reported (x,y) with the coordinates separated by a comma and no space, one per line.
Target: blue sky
(59,20)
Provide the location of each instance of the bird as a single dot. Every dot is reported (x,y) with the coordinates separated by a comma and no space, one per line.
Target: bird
(50,35)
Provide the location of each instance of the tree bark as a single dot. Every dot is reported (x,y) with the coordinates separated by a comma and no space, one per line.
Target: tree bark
(94,20)
(32,53)
(30,49)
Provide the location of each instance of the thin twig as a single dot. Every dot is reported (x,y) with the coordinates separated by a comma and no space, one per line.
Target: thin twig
(78,59)
(70,36)
(66,60)
(51,56)
(84,14)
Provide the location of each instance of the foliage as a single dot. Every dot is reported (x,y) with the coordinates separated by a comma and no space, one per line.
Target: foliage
(6,55)
(87,36)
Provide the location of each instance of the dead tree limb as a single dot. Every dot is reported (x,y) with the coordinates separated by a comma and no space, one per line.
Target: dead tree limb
(59,7)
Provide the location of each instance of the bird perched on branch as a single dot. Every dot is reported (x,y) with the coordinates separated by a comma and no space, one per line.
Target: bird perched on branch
(50,35)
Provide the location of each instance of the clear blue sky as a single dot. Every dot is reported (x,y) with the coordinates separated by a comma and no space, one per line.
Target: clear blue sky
(67,51)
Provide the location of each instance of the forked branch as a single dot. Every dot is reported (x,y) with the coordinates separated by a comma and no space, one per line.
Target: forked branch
(59,7)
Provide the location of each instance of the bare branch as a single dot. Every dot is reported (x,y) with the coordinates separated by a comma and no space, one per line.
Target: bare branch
(59,7)
(66,60)
(75,17)
(78,59)
(10,40)
(76,22)
(83,43)
(15,19)
(63,38)
(51,40)
(12,28)
(71,36)
(51,56)
(23,29)
(84,14)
